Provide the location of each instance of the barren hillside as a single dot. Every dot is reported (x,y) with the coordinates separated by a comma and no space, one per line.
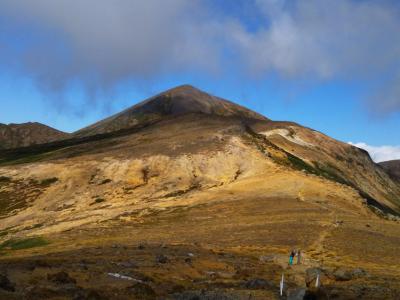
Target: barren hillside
(392,168)
(206,196)
(27,134)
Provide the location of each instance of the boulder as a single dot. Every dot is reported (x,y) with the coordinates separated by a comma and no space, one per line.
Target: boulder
(357,273)
(295,293)
(61,278)
(342,275)
(6,284)
(257,283)
(142,290)
(162,259)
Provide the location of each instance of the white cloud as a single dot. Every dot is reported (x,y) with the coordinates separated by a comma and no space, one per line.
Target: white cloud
(380,153)
(101,43)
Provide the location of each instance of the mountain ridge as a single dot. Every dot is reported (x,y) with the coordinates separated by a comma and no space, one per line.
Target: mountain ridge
(27,134)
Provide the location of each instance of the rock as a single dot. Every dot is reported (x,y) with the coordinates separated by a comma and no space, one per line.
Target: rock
(141,247)
(127,264)
(295,294)
(42,264)
(188,260)
(142,291)
(88,295)
(208,295)
(61,278)
(162,259)
(257,283)
(342,275)
(267,258)
(357,273)
(316,294)
(6,284)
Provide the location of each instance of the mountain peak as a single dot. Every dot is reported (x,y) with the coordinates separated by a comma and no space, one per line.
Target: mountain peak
(180,100)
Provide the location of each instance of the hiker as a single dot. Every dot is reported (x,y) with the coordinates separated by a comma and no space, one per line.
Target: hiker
(292,254)
(298,257)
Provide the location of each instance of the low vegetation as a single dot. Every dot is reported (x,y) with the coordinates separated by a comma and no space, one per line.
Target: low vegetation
(18,244)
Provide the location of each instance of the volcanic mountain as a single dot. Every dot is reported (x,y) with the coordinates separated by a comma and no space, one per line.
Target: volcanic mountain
(27,134)
(174,102)
(188,195)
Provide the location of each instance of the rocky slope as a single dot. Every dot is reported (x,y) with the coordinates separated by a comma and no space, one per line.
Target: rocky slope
(27,134)
(177,101)
(205,197)
(392,167)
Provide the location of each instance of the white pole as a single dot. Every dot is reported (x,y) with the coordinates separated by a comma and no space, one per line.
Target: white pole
(317,281)
(281,285)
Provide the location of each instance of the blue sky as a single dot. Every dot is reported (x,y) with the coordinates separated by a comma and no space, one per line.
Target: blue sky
(333,65)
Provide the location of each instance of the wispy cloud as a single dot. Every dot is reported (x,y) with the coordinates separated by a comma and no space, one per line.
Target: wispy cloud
(380,153)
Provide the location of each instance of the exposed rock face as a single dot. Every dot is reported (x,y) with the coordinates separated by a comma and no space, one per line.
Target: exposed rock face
(392,167)
(27,134)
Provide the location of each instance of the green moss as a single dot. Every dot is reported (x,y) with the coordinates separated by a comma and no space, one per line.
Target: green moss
(299,164)
(18,244)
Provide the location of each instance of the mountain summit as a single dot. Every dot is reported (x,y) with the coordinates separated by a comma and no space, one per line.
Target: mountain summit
(184,99)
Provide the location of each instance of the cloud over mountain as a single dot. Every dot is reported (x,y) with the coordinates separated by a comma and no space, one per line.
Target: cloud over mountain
(380,153)
(101,43)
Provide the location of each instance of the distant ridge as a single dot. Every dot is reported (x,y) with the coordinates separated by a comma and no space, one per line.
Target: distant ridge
(27,134)
(180,100)
(392,167)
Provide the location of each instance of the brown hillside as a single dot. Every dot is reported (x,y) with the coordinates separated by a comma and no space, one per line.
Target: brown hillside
(203,203)
(392,167)
(27,134)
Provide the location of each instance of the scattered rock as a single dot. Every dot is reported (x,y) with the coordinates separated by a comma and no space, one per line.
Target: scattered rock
(357,273)
(61,278)
(188,260)
(162,259)
(88,295)
(267,258)
(208,295)
(295,293)
(342,275)
(127,264)
(6,284)
(316,294)
(42,264)
(142,290)
(257,283)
